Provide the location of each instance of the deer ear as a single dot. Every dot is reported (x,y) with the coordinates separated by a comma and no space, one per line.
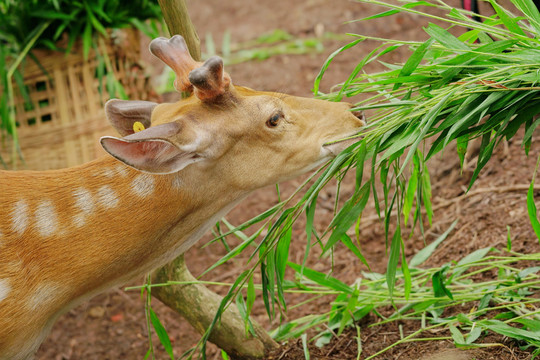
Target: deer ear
(122,114)
(151,150)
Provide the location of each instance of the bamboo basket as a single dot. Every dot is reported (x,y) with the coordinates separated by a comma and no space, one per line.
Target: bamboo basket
(66,119)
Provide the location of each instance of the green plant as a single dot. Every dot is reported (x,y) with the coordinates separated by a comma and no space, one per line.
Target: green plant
(57,25)
(482,83)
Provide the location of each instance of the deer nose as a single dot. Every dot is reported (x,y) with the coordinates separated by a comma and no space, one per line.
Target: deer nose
(360,116)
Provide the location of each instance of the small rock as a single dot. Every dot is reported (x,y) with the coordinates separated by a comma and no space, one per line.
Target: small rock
(96,312)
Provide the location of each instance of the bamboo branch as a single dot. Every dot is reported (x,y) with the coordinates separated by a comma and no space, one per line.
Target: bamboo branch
(178,21)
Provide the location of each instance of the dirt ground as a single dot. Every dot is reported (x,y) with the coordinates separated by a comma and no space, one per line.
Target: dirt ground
(113,325)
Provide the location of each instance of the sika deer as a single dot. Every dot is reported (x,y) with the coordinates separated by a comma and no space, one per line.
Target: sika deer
(67,235)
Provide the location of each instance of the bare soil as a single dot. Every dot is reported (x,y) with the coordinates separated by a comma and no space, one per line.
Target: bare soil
(113,325)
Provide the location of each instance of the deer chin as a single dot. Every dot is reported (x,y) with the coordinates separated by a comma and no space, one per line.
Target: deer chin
(334,148)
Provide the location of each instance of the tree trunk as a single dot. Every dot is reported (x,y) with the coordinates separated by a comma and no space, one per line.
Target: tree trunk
(195,302)
(199,305)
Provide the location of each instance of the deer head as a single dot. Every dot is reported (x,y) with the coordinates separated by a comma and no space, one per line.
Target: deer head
(246,138)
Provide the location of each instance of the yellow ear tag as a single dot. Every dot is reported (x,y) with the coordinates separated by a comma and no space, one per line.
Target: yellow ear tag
(138,126)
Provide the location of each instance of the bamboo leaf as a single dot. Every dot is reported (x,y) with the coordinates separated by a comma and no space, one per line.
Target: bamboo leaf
(329,60)
(426,193)
(413,61)
(510,23)
(457,336)
(161,333)
(392,12)
(348,215)
(391,268)
(438,280)
(421,256)
(409,195)
(531,206)
(528,7)
(446,39)
(507,330)
(322,279)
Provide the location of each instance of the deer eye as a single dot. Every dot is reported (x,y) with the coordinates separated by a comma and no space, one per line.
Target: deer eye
(274,120)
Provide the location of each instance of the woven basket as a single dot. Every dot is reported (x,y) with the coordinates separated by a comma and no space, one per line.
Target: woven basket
(66,119)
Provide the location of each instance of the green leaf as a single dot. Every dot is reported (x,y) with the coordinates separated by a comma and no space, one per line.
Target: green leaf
(426,193)
(322,279)
(391,268)
(360,158)
(329,60)
(354,249)
(508,239)
(161,333)
(250,300)
(348,215)
(528,7)
(409,195)
(456,335)
(445,38)
(473,257)
(392,12)
(531,206)
(406,273)
(474,335)
(510,331)
(438,280)
(510,23)
(427,251)
(413,61)
(87,40)
(531,324)
(462,143)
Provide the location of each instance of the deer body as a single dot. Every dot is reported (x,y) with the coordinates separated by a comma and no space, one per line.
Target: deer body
(66,235)
(80,231)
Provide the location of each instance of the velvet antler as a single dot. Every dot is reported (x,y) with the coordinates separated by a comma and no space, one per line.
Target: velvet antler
(174,52)
(208,79)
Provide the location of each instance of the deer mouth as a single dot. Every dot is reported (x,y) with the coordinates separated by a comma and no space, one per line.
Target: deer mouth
(337,146)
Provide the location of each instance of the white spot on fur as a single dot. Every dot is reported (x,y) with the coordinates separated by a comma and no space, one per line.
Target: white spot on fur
(108,173)
(176,182)
(107,197)
(85,203)
(121,170)
(46,220)
(143,185)
(19,217)
(43,295)
(5,288)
